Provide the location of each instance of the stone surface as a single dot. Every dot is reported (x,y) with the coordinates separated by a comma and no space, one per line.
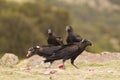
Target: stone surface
(9,59)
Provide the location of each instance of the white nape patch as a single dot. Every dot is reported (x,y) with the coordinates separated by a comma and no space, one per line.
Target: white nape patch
(82,40)
(37,46)
(49,31)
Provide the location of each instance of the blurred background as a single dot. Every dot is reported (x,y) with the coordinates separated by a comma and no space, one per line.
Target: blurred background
(24,23)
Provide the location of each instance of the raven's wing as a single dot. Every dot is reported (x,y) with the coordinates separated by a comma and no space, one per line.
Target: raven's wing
(73,38)
(77,38)
(64,53)
(50,50)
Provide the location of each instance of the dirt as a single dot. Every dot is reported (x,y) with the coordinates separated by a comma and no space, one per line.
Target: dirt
(92,66)
(101,57)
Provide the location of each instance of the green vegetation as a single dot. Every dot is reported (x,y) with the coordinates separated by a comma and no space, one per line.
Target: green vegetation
(100,26)
(25,25)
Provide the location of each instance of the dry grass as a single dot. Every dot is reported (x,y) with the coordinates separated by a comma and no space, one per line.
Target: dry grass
(86,71)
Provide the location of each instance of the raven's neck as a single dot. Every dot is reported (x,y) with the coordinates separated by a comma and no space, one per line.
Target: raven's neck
(82,47)
(71,32)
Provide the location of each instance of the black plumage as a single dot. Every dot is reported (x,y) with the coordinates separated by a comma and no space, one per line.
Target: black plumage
(44,51)
(72,37)
(70,52)
(53,40)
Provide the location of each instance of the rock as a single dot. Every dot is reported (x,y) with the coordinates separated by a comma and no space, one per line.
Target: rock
(98,57)
(33,61)
(9,59)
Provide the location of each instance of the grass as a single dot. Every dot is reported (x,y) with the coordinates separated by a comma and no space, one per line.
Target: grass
(100,71)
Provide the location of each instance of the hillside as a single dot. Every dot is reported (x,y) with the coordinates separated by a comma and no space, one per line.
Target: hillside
(23,23)
(99,23)
(96,4)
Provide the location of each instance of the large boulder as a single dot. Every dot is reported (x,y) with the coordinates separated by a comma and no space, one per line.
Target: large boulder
(9,59)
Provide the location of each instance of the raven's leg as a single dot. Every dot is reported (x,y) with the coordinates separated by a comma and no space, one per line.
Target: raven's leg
(50,64)
(64,63)
(72,62)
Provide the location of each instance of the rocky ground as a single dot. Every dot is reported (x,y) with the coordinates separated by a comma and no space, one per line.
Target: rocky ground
(84,57)
(104,66)
(10,59)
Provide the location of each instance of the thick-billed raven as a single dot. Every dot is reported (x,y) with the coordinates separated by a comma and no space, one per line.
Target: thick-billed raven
(72,37)
(53,40)
(69,52)
(44,51)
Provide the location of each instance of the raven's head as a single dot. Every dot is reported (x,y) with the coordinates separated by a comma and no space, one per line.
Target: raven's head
(33,50)
(50,31)
(86,42)
(69,28)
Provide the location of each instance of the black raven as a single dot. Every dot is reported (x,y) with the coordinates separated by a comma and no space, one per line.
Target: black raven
(44,51)
(69,52)
(72,37)
(53,40)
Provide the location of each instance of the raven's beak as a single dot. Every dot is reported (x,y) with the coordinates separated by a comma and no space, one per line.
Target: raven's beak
(28,54)
(91,44)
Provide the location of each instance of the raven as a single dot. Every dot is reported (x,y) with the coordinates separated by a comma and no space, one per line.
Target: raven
(53,40)
(72,37)
(70,52)
(44,51)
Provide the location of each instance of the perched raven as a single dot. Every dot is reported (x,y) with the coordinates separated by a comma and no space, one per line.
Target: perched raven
(72,37)
(53,40)
(69,52)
